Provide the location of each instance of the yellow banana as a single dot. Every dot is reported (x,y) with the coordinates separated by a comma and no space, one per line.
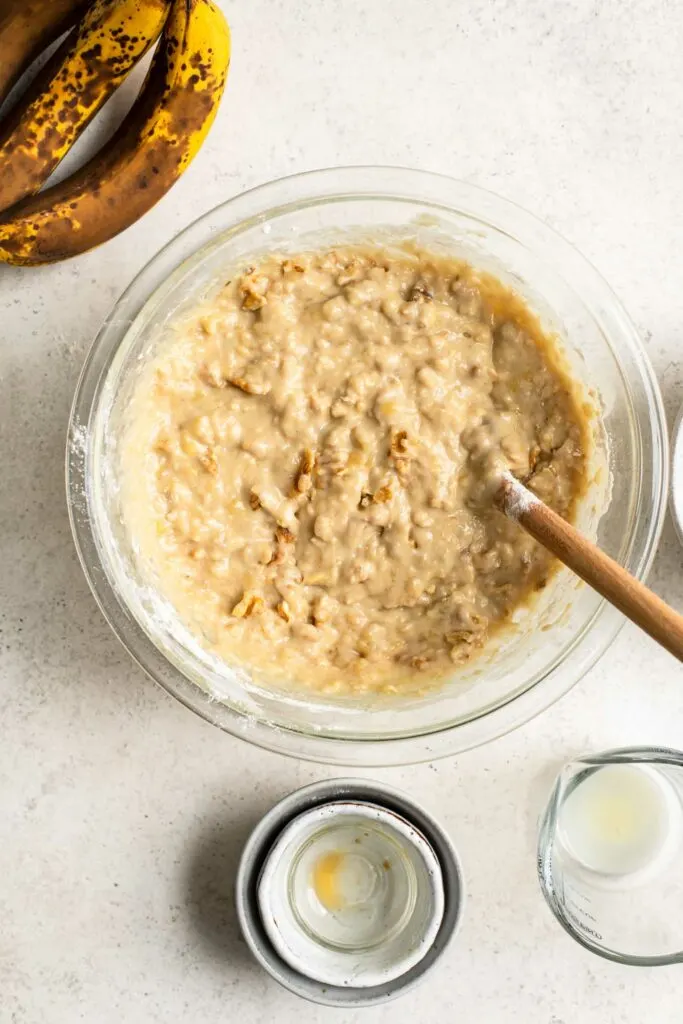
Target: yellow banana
(89,65)
(155,143)
(27,27)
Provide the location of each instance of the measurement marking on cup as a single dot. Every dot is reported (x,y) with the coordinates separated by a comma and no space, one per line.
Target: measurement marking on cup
(580,911)
(582,926)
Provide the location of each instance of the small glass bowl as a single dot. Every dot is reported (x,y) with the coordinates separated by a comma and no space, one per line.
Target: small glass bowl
(385,930)
(569,627)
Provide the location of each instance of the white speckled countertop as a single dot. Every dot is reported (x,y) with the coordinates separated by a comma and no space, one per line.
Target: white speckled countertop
(121,814)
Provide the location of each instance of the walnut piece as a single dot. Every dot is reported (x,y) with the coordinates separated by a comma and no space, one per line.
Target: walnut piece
(382,495)
(283,611)
(283,537)
(250,604)
(400,453)
(253,289)
(208,462)
(250,387)
(398,444)
(303,481)
(421,292)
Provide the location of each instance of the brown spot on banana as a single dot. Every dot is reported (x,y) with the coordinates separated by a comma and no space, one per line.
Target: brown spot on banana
(84,71)
(27,27)
(155,143)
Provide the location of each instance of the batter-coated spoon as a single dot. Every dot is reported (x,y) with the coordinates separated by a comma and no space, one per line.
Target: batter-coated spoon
(610,579)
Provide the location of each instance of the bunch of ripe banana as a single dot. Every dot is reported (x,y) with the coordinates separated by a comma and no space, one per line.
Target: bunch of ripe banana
(155,142)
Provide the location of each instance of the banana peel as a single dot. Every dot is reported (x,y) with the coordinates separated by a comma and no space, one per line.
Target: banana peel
(155,143)
(85,70)
(27,27)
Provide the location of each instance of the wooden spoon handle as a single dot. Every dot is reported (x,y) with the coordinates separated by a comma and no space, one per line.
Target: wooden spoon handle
(631,597)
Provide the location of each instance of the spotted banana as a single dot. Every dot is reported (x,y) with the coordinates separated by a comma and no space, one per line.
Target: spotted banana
(84,71)
(27,27)
(155,143)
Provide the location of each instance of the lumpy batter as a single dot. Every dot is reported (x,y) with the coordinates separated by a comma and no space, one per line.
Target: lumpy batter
(307,465)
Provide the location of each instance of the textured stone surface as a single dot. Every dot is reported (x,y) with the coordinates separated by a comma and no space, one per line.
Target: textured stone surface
(122,815)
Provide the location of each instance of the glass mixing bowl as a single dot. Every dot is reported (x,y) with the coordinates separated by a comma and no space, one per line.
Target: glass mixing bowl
(555,642)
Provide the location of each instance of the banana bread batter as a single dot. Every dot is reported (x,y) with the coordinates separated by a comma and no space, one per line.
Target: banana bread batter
(307,465)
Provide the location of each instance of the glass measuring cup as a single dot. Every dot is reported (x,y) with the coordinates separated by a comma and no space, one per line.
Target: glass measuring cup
(610,854)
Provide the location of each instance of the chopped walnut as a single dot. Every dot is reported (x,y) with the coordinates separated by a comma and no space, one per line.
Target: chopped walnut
(283,611)
(250,387)
(208,462)
(253,289)
(399,453)
(283,538)
(303,480)
(420,292)
(249,604)
(382,495)
(351,272)
(399,442)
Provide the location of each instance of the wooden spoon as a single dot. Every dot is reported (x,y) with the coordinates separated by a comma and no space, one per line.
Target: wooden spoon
(605,575)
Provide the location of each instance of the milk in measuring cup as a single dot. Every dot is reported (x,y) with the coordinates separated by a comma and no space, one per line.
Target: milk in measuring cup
(621,819)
